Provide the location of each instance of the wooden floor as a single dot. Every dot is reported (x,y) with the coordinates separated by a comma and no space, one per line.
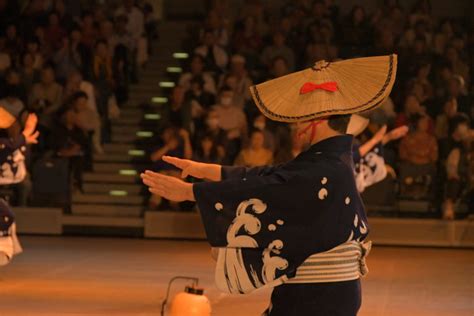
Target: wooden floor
(92,276)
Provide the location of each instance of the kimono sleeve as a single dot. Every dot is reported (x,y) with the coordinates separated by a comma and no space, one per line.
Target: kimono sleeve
(236,172)
(238,212)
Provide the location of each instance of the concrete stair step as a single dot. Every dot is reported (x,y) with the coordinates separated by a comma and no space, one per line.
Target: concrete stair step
(112,167)
(119,148)
(133,138)
(106,210)
(113,188)
(102,177)
(107,199)
(104,220)
(136,156)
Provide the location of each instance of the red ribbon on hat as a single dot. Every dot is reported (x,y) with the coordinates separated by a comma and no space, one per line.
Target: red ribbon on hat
(330,86)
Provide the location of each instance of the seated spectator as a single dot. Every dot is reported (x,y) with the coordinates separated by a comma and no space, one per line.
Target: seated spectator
(356,33)
(247,40)
(255,154)
(64,60)
(215,57)
(14,80)
(33,48)
(200,101)
(179,111)
(411,108)
(81,53)
(418,152)
(450,109)
(457,164)
(457,90)
(279,68)
(89,32)
(103,79)
(176,143)
(46,97)
(218,135)
(259,123)
(419,147)
(68,140)
(242,78)
(54,31)
(231,81)
(121,35)
(76,84)
(215,22)
(232,120)
(29,74)
(207,150)
(459,67)
(196,68)
(278,48)
(14,43)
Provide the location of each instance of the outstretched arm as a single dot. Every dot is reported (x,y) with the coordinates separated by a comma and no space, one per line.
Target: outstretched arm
(377,138)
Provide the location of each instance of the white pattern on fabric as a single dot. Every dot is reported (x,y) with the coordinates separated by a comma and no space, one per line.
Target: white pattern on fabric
(231,274)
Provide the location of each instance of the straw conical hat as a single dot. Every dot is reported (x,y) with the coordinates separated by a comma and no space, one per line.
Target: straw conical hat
(357,124)
(328,88)
(6,119)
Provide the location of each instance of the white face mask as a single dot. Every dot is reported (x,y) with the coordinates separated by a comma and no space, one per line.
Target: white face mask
(259,125)
(226,100)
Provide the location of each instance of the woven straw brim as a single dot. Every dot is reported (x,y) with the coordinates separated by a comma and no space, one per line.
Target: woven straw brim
(6,119)
(357,124)
(363,84)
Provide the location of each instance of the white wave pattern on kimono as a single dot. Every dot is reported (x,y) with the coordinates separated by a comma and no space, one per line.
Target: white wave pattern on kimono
(371,170)
(9,246)
(231,275)
(9,176)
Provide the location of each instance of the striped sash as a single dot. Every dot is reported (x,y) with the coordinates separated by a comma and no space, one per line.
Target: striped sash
(343,263)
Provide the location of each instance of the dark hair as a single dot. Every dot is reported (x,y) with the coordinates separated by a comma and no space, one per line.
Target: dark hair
(77,95)
(198,80)
(225,88)
(339,123)
(457,120)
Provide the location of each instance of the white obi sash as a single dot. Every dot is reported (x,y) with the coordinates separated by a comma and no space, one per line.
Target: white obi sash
(9,246)
(343,263)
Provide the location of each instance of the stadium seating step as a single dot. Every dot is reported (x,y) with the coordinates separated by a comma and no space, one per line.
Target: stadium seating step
(123,156)
(97,177)
(112,167)
(103,221)
(80,198)
(106,210)
(113,188)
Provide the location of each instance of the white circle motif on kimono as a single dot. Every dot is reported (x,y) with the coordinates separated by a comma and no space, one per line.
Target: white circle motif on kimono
(272,227)
(219,206)
(324,180)
(322,194)
(348,200)
(280,222)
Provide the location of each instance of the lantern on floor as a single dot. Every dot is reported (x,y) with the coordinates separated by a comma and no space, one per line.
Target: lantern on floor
(190,302)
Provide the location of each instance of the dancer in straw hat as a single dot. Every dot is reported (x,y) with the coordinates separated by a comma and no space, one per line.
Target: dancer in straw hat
(12,170)
(368,157)
(299,227)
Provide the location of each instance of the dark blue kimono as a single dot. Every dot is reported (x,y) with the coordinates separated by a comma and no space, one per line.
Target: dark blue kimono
(271,219)
(12,160)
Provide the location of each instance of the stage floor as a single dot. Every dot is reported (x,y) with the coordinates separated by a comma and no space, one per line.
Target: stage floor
(98,276)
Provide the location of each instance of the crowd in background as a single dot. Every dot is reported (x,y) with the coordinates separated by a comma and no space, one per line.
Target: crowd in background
(71,65)
(212,118)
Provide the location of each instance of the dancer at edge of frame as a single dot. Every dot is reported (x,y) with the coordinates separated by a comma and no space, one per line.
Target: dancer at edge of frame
(369,162)
(300,227)
(12,170)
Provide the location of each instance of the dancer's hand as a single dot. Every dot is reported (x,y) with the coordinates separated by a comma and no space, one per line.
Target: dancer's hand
(31,136)
(170,188)
(196,169)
